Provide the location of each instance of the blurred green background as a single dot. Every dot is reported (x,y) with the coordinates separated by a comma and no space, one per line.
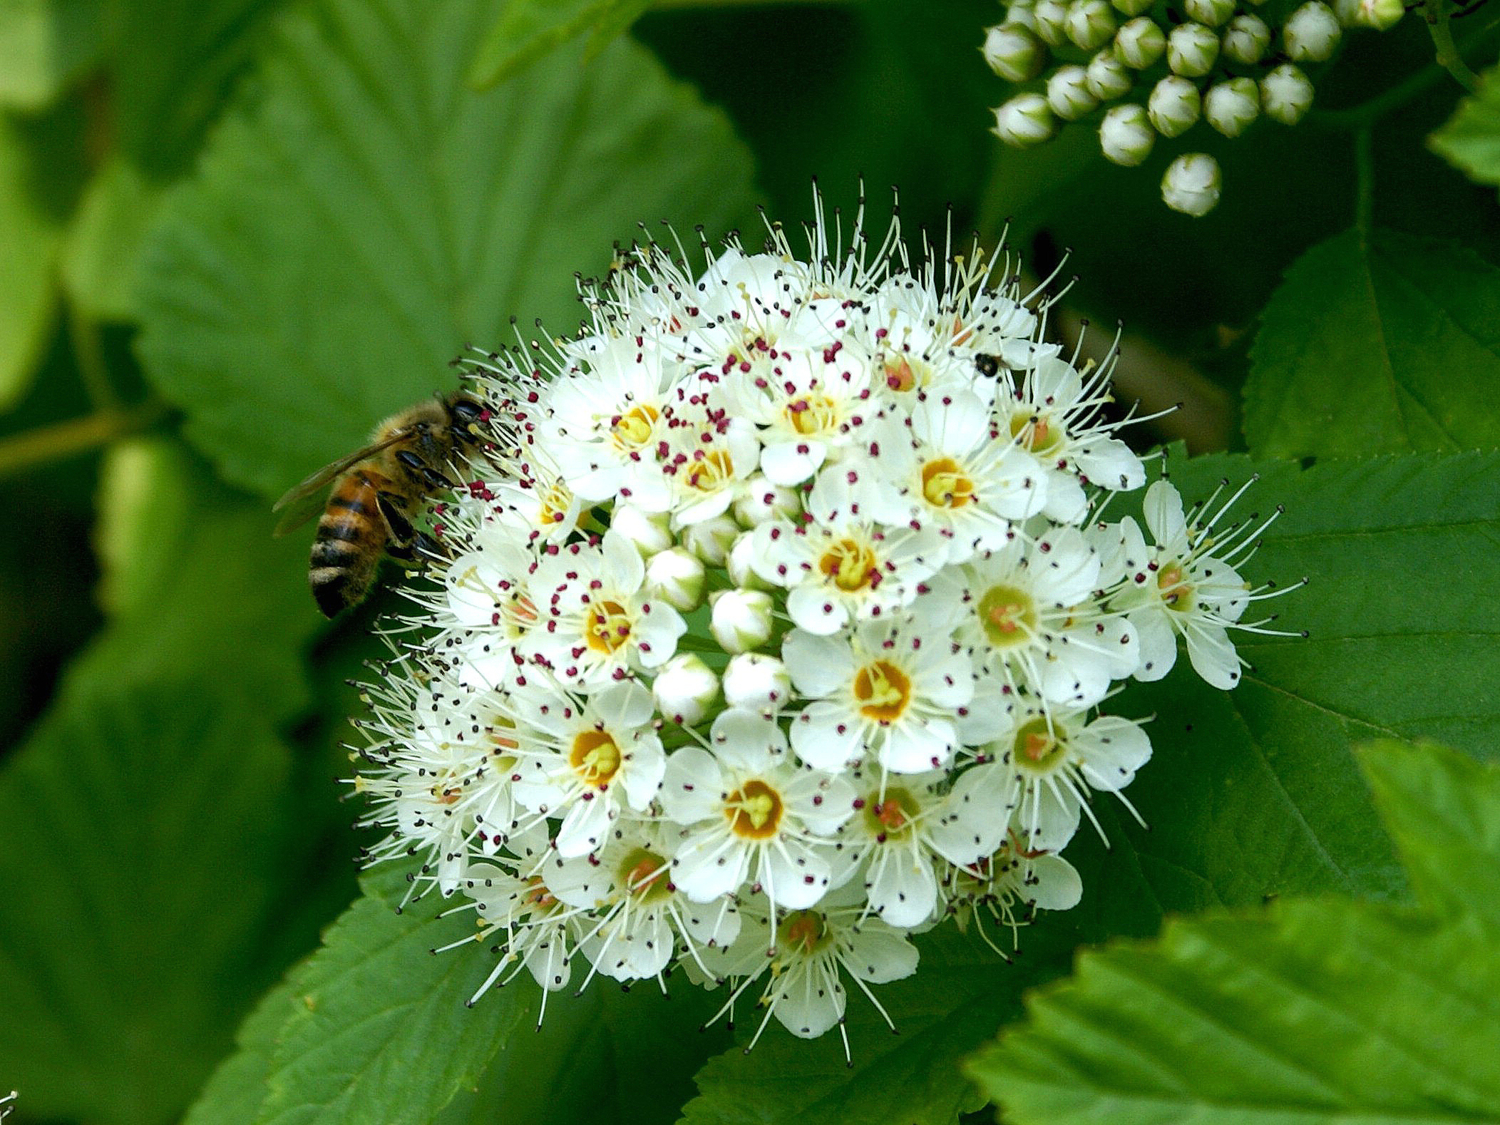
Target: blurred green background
(234,234)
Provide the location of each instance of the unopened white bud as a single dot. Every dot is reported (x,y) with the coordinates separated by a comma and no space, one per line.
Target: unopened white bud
(1068,93)
(685,689)
(1191,184)
(1286,94)
(741,563)
(676,576)
(741,619)
(1311,33)
(1130,8)
(1140,43)
(649,531)
(1020,15)
(711,539)
(1126,135)
(1231,106)
(1024,121)
(1108,77)
(1192,50)
(1382,15)
(1245,40)
(1013,52)
(1212,12)
(757,682)
(1091,23)
(764,501)
(1051,20)
(1174,106)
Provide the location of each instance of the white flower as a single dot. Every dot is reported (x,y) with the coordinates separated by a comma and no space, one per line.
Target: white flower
(596,617)
(840,566)
(1055,414)
(943,469)
(1187,586)
(877,692)
(813,948)
(902,830)
(750,813)
(1028,615)
(756,682)
(676,576)
(585,760)
(1057,756)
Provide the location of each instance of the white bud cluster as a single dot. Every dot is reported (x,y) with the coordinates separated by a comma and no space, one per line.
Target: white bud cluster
(1206,64)
(774,625)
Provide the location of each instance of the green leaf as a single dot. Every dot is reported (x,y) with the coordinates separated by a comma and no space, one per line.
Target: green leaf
(1377,345)
(606,1056)
(1250,794)
(174,62)
(142,873)
(234,1094)
(1470,141)
(418,214)
(528,30)
(45,44)
(1443,811)
(1311,1012)
(1320,1012)
(193,578)
(101,255)
(379,1030)
(29,236)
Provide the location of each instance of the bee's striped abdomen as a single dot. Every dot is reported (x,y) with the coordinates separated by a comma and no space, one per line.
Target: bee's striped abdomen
(347,548)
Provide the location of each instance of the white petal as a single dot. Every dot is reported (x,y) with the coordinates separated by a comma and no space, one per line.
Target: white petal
(643,777)
(825,736)
(1163,511)
(791,462)
(1212,655)
(902,887)
(878,955)
(819,665)
(793,875)
(1054,883)
(709,866)
(975,814)
(1158,642)
(1110,463)
(747,742)
(814,609)
(584,828)
(914,747)
(693,786)
(1113,749)
(809,1002)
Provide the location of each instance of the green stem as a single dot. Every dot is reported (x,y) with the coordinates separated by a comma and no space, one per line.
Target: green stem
(88,353)
(1436,14)
(1364,182)
(77,435)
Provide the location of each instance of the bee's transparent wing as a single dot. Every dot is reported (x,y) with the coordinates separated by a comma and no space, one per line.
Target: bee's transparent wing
(303,501)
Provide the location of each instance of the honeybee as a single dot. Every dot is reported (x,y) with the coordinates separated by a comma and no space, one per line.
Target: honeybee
(377,492)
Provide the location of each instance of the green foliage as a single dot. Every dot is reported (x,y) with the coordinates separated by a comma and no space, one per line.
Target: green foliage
(529,30)
(29,233)
(1357,350)
(420,213)
(124,966)
(1311,1011)
(1471,139)
(44,44)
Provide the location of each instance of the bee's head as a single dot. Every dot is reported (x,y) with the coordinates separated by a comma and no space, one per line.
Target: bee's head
(466,414)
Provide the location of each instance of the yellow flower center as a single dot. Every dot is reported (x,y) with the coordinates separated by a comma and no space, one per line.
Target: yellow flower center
(902,376)
(632,430)
(1175,590)
(945,484)
(1007,615)
(883,691)
(595,757)
(803,931)
(1036,432)
(1038,747)
(754,811)
(608,626)
(812,414)
(640,874)
(710,471)
(851,565)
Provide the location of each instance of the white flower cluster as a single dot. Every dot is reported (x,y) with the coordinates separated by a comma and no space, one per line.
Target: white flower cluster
(777,630)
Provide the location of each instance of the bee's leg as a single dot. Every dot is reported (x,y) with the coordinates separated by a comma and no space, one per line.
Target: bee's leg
(421,468)
(430,548)
(401,531)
